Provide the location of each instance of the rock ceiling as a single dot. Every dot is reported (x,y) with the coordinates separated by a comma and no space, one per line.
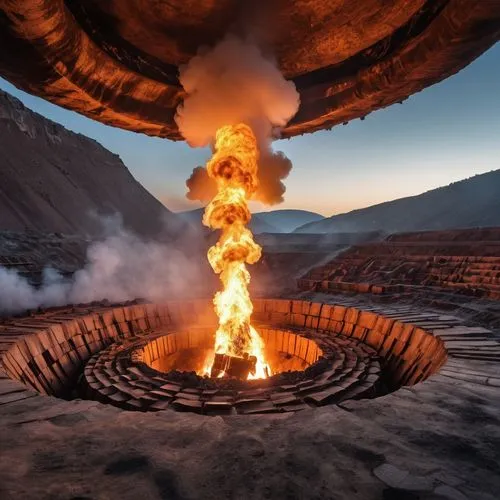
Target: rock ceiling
(117,61)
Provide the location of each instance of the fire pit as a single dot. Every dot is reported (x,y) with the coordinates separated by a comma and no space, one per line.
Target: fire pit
(166,369)
(152,357)
(189,351)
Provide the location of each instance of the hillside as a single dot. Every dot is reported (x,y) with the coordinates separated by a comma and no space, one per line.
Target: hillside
(286,221)
(257,224)
(54,180)
(473,202)
(277,221)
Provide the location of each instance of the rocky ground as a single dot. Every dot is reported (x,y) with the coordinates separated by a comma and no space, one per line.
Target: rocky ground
(439,439)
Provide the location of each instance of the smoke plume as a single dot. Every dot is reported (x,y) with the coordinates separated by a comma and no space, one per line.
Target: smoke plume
(120,267)
(235,83)
(200,186)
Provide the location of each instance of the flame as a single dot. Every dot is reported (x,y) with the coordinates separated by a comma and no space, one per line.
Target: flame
(233,166)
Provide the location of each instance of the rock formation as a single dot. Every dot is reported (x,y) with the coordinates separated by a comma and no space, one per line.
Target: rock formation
(117,61)
(54,180)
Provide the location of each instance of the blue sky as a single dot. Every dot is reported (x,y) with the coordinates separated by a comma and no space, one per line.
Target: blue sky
(445,133)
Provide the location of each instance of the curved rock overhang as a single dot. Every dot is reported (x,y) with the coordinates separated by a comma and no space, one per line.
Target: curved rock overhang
(117,61)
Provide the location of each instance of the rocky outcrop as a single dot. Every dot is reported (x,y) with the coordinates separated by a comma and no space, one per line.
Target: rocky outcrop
(53,180)
(117,61)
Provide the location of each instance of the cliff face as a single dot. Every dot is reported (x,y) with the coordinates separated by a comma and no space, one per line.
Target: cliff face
(473,202)
(54,180)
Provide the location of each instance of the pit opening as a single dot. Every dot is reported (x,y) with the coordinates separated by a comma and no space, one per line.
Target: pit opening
(331,369)
(321,354)
(188,350)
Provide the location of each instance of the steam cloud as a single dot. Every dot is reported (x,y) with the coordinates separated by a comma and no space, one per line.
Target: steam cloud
(121,267)
(229,84)
(226,85)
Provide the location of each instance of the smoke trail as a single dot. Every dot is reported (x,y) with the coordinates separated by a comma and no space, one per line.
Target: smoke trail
(121,267)
(229,84)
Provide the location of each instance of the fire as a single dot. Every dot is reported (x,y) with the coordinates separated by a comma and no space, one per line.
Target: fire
(234,169)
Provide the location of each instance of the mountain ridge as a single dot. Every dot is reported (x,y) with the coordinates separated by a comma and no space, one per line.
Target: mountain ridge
(471,202)
(194,217)
(56,180)
(287,220)
(274,221)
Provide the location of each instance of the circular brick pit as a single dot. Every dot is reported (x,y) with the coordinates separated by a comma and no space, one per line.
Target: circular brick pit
(157,371)
(142,357)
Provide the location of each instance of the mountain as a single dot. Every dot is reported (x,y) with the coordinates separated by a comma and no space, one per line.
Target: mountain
(286,221)
(257,224)
(54,180)
(194,217)
(473,202)
(277,221)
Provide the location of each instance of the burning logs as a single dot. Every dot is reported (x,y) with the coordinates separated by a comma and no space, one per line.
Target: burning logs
(232,366)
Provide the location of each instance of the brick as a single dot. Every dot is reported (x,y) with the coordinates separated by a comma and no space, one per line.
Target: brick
(173,388)
(339,313)
(322,398)
(187,405)
(259,408)
(367,319)
(160,405)
(218,406)
(315,308)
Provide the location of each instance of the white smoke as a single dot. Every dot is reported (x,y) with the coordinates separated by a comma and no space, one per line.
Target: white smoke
(121,267)
(235,83)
